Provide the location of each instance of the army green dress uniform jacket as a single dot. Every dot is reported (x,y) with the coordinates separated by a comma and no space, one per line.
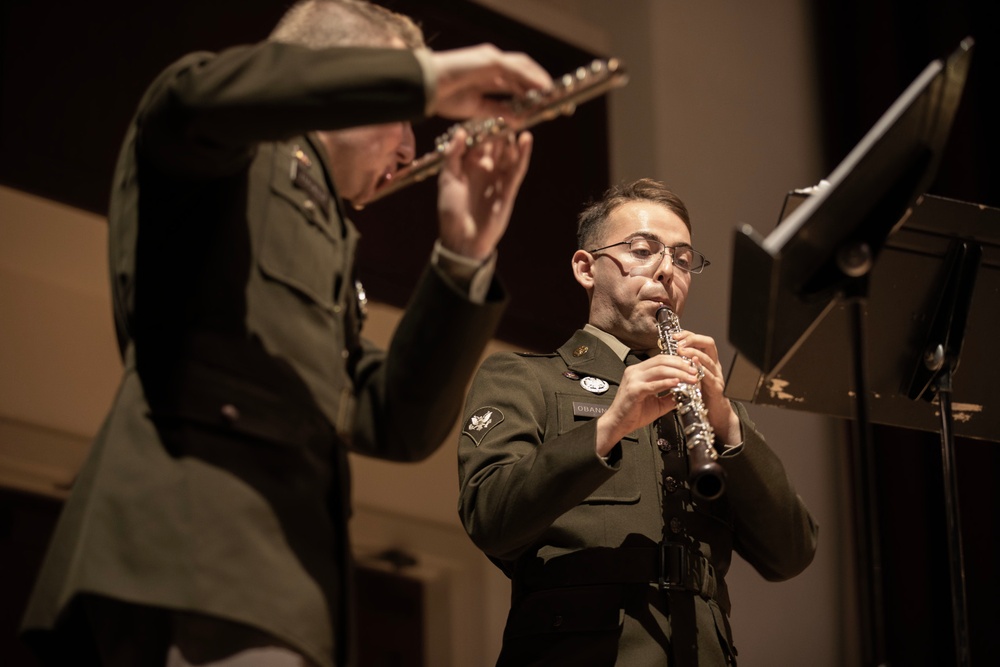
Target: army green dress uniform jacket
(218,483)
(612,562)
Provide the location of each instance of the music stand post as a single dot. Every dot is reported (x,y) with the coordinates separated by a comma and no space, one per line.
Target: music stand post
(820,258)
(856,264)
(933,377)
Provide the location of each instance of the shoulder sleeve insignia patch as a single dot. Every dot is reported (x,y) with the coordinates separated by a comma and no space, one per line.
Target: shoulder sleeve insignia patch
(482,422)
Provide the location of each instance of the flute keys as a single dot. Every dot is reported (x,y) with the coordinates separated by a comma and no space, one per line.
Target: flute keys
(536,106)
(531,100)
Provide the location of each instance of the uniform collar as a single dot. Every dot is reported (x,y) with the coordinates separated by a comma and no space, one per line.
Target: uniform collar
(587,353)
(618,347)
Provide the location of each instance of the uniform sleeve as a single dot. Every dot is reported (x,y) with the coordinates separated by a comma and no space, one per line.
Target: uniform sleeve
(206,112)
(516,479)
(410,396)
(773,531)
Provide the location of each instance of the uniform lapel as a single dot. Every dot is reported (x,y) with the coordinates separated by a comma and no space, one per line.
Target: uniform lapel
(348,232)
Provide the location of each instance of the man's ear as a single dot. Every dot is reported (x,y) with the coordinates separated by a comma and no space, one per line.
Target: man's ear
(583,269)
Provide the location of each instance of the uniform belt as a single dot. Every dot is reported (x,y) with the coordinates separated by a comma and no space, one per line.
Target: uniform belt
(671,566)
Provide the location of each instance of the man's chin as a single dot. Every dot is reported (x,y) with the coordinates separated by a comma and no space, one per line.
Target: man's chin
(370,192)
(358,198)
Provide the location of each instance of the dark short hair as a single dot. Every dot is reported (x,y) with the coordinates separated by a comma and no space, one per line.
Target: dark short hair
(591,220)
(321,24)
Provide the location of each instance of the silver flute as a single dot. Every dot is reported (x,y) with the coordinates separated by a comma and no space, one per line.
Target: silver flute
(569,91)
(705,476)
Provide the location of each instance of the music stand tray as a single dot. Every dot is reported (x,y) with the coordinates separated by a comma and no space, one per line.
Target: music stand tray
(904,289)
(784,284)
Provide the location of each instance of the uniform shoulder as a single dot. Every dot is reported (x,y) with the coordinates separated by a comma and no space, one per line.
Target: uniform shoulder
(517,362)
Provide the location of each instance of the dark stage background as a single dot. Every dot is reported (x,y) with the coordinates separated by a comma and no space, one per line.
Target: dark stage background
(71,74)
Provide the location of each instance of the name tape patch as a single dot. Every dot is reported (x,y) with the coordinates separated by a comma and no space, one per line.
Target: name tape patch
(581,409)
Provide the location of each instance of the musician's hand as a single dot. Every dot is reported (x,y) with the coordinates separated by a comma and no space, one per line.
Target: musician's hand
(476,191)
(704,353)
(643,397)
(472,81)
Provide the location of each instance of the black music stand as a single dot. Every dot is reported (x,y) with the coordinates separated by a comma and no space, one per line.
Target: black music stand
(820,268)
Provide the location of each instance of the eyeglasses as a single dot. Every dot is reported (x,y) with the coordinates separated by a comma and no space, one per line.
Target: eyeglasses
(649,252)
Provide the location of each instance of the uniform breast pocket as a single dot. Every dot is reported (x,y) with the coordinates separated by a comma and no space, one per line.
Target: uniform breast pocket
(298,247)
(623,487)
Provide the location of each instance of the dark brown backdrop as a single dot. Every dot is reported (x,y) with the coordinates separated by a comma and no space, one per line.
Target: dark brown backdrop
(71,74)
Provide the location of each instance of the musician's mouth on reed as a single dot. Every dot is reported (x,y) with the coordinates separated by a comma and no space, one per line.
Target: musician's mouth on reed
(656,303)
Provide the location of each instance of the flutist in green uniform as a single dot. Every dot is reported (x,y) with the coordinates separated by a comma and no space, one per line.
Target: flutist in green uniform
(209,522)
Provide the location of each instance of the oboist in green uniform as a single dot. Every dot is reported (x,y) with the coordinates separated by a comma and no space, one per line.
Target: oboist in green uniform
(209,521)
(574,477)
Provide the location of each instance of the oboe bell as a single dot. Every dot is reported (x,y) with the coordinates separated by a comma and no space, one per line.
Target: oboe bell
(705,476)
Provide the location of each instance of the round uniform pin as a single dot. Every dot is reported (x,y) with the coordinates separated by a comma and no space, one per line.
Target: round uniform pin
(594,385)
(571,375)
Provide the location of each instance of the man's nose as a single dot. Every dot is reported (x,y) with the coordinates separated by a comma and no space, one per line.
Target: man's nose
(664,269)
(407,149)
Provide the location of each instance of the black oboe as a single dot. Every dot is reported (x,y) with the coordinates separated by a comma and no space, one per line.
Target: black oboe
(705,475)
